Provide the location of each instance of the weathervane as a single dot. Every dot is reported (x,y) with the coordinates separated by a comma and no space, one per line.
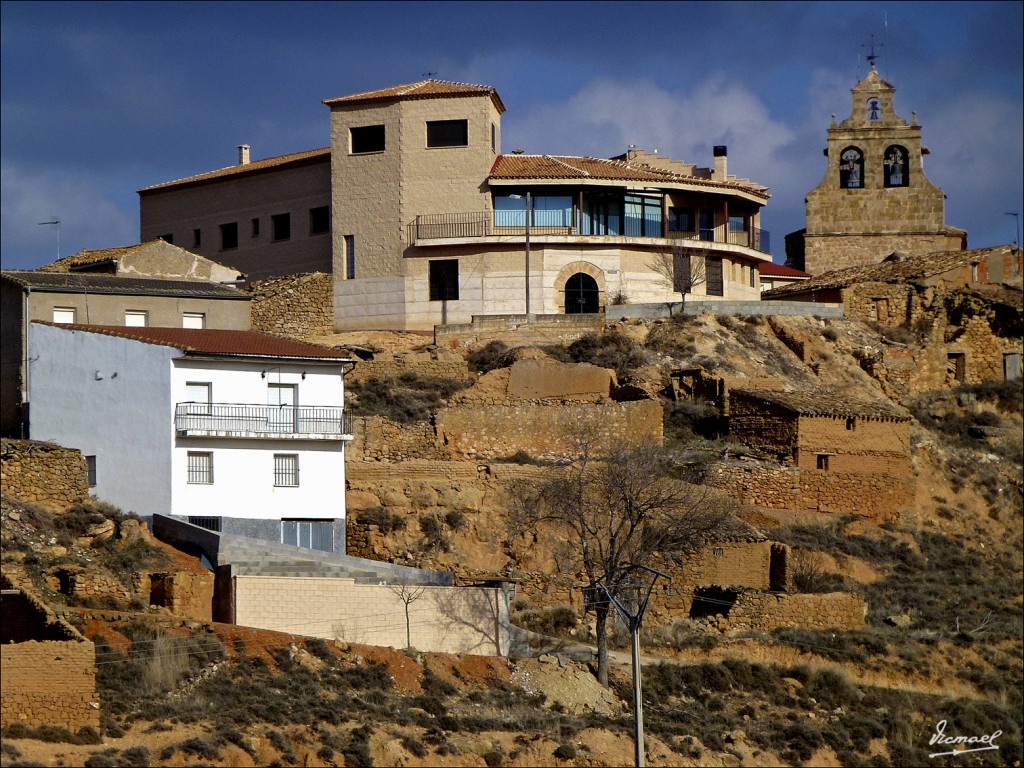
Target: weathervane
(872,55)
(428,74)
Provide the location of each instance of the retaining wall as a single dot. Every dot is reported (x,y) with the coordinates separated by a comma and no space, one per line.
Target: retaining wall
(43,473)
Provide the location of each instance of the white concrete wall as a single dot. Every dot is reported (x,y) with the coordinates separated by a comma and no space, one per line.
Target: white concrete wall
(108,397)
(243,469)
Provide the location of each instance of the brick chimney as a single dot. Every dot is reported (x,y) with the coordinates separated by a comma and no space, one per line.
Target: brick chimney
(243,154)
(721,172)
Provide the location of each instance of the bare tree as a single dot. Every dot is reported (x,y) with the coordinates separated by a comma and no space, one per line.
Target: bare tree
(678,269)
(617,509)
(408,594)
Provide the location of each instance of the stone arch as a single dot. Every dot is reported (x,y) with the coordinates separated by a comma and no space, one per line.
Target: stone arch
(851,168)
(897,166)
(585,268)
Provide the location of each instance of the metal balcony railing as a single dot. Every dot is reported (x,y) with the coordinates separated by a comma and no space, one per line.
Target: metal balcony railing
(244,420)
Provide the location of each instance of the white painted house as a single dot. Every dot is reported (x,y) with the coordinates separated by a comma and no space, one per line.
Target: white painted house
(236,431)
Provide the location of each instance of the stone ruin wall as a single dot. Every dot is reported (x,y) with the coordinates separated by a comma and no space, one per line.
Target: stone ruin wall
(764,611)
(379,439)
(878,497)
(860,445)
(765,426)
(297,305)
(728,563)
(888,304)
(183,593)
(43,473)
(444,365)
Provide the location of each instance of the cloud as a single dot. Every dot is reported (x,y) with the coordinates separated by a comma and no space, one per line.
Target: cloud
(88,219)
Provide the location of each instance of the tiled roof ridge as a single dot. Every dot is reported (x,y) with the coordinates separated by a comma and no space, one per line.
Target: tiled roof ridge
(827,402)
(88,256)
(254,165)
(421,89)
(555,159)
(120,284)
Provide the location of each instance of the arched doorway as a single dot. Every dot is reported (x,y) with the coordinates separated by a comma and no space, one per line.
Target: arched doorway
(582,295)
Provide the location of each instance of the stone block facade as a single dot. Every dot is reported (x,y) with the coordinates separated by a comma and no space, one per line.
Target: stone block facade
(441,619)
(760,611)
(43,473)
(297,305)
(379,439)
(181,592)
(48,668)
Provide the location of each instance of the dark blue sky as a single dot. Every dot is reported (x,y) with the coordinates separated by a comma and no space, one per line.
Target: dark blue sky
(101,99)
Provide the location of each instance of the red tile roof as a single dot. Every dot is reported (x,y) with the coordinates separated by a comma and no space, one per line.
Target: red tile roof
(91,282)
(211,341)
(423,89)
(780,270)
(529,167)
(296,158)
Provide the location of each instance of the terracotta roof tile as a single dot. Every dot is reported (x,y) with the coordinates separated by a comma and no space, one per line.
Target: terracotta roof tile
(893,270)
(826,402)
(780,270)
(309,155)
(87,257)
(209,341)
(91,282)
(529,167)
(422,89)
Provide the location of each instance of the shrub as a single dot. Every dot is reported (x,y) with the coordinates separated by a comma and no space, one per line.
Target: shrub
(455,519)
(809,574)
(405,399)
(489,358)
(386,521)
(414,746)
(357,751)
(494,758)
(434,537)
(565,752)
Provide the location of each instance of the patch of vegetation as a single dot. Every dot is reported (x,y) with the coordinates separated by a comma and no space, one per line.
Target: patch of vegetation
(522,457)
(605,350)
(687,420)
(405,399)
(50,734)
(489,358)
(555,620)
(387,522)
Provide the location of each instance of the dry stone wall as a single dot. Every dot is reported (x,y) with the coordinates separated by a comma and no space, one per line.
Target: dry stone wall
(729,563)
(43,473)
(181,592)
(435,363)
(297,305)
(756,610)
(379,439)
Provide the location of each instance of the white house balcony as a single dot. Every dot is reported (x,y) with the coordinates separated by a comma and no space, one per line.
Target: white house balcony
(273,422)
(464,228)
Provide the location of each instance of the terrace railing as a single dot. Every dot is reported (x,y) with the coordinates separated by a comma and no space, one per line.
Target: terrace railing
(271,421)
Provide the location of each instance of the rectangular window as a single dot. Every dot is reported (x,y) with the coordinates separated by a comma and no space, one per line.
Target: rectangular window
(200,468)
(168,238)
(319,220)
(822,461)
(255,227)
(494,138)
(309,534)
(713,275)
(350,257)
(737,223)
(680,219)
(281,223)
(286,470)
(1011,366)
(444,280)
(681,279)
(90,468)
(851,423)
(197,238)
(282,399)
(229,236)
(956,367)
(136,318)
(205,521)
(194,320)
(753,276)
(447,133)
(64,315)
(366,139)
(198,395)
(706,224)
(642,216)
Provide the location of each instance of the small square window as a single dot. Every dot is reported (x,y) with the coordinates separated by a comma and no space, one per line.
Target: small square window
(281,223)
(319,220)
(286,470)
(737,223)
(90,468)
(255,227)
(168,238)
(366,139)
(823,461)
(136,318)
(64,315)
(444,280)
(719,551)
(200,468)
(229,236)
(197,238)
(447,133)
(194,320)
(851,424)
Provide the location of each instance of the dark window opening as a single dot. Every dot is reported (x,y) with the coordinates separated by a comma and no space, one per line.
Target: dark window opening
(582,295)
(706,224)
(738,223)
(897,174)
(778,567)
(366,139)
(851,168)
(494,138)
(90,466)
(255,227)
(350,257)
(712,601)
(822,461)
(444,280)
(319,220)
(229,236)
(713,275)
(680,219)
(753,276)
(203,521)
(281,223)
(956,367)
(197,238)
(168,238)
(447,133)
(851,424)
(682,280)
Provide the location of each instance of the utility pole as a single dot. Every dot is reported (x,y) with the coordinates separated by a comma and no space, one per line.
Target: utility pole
(633,619)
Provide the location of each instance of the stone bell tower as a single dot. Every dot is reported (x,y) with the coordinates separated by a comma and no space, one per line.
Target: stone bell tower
(875,198)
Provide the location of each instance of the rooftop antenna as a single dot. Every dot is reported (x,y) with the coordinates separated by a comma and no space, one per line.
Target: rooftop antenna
(872,56)
(56,225)
(885,40)
(428,74)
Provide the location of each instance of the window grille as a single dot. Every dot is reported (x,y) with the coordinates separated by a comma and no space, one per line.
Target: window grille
(200,468)
(209,523)
(286,469)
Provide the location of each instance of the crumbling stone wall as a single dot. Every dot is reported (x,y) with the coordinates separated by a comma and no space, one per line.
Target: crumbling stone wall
(183,593)
(727,563)
(859,445)
(756,610)
(875,496)
(436,363)
(84,584)
(515,331)
(43,473)
(888,304)
(48,668)
(296,305)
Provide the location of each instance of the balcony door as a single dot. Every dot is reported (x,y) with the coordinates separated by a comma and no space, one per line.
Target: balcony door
(283,400)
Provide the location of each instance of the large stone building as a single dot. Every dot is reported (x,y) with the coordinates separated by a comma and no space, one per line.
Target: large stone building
(875,198)
(431,224)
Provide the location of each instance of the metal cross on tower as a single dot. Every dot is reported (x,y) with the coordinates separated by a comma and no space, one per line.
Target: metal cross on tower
(872,56)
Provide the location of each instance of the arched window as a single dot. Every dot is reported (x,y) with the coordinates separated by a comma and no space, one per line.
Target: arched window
(874,110)
(897,172)
(851,168)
